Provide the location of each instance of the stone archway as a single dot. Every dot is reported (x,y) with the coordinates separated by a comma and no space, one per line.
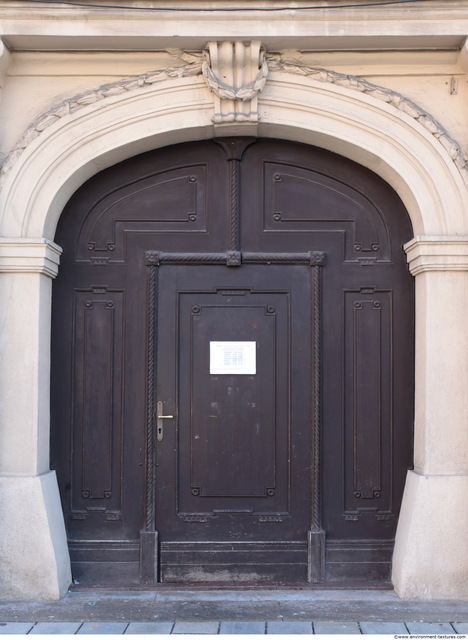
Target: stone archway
(81,141)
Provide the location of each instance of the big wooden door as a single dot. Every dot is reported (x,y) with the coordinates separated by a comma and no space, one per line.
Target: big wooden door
(232,369)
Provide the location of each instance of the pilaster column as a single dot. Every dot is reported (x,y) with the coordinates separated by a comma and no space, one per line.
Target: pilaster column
(4,61)
(34,560)
(431,550)
(4,64)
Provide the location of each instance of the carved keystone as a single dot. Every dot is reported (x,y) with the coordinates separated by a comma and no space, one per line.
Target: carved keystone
(235,72)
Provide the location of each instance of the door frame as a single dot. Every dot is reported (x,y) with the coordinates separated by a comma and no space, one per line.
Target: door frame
(149,559)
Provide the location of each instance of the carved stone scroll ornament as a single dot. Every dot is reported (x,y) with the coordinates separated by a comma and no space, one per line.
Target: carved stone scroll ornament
(235,72)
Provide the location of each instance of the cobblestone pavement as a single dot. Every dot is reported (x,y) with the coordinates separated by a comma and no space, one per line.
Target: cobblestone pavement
(233,612)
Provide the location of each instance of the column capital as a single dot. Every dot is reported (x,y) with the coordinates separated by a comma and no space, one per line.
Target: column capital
(29,255)
(437,253)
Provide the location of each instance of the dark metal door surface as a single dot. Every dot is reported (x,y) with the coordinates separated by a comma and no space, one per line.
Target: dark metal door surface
(258,292)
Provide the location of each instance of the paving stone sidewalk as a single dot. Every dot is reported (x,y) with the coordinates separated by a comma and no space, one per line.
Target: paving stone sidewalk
(229,612)
(234,627)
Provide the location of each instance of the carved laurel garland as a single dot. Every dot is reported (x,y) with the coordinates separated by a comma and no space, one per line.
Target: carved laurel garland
(393,98)
(223,90)
(82,100)
(196,64)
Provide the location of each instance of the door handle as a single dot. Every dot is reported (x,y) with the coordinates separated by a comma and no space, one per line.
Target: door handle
(159,423)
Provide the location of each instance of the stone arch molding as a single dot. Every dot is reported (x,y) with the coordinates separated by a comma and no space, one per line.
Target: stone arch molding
(352,117)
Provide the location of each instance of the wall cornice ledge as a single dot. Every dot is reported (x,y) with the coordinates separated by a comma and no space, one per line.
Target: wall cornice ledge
(29,255)
(437,253)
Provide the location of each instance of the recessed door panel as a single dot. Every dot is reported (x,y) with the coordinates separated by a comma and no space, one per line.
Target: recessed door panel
(232,416)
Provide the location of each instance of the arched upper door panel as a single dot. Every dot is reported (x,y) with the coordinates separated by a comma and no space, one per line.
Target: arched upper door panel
(167,196)
(313,195)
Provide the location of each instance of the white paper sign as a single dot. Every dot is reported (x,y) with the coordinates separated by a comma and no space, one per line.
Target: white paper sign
(233,357)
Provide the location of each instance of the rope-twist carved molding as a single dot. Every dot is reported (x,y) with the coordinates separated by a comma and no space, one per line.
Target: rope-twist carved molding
(194,67)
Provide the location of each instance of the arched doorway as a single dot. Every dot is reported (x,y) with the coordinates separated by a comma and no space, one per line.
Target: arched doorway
(258,292)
